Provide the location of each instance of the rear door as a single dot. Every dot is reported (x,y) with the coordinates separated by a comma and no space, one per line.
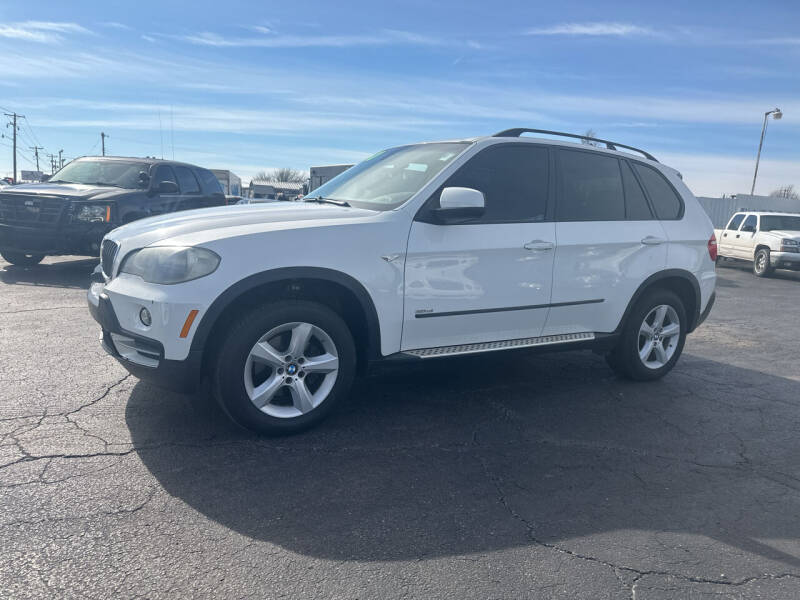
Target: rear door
(609,242)
(726,240)
(488,279)
(191,195)
(746,237)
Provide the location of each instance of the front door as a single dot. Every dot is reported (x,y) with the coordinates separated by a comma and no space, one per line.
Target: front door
(488,279)
(745,238)
(729,235)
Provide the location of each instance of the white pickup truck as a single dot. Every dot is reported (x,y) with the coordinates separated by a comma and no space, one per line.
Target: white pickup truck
(769,240)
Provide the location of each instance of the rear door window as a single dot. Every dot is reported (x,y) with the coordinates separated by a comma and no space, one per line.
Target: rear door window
(665,200)
(636,207)
(210,182)
(590,187)
(750,223)
(164,173)
(187,181)
(735,222)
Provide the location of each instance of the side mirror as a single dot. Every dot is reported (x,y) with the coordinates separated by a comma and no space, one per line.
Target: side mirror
(459,205)
(144,180)
(748,229)
(167,187)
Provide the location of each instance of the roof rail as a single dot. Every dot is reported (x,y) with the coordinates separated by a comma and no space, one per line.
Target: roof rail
(518,131)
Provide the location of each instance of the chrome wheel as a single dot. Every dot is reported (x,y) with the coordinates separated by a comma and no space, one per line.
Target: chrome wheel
(659,335)
(761,262)
(291,370)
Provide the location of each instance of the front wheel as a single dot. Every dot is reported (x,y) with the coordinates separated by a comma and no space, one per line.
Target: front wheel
(652,339)
(21,259)
(283,366)
(761,263)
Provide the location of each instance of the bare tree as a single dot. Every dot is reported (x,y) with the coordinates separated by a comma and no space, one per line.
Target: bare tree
(284,174)
(786,191)
(589,133)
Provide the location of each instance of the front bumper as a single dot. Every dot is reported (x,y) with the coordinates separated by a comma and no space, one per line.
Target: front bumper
(74,238)
(785,260)
(142,356)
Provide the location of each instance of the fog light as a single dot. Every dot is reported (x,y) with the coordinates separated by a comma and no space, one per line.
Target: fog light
(145,318)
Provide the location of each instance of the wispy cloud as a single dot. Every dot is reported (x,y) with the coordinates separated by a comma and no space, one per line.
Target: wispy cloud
(383,38)
(779,41)
(46,32)
(595,29)
(115,25)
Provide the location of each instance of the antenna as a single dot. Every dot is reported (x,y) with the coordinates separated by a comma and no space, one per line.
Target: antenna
(172,131)
(161,133)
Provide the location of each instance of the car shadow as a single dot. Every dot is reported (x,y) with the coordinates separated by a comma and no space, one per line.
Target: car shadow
(485,453)
(64,274)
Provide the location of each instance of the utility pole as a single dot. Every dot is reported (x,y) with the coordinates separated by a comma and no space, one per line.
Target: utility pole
(60,160)
(52,158)
(103,137)
(36,154)
(14,117)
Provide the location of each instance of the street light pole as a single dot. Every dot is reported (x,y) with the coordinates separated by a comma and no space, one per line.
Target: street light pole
(776,114)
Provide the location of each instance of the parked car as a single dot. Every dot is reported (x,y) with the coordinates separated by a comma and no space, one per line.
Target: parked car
(420,252)
(768,240)
(76,207)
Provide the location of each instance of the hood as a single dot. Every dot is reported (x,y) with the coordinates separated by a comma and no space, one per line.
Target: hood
(785,233)
(228,221)
(64,190)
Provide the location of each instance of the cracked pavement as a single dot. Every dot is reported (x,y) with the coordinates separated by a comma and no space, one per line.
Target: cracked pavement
(503,476)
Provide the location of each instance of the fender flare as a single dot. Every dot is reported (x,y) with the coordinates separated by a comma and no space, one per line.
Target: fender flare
(655,278)
(230,295)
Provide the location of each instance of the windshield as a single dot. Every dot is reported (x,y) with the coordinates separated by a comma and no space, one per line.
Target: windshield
(778,222)
(118,173)
(387,179)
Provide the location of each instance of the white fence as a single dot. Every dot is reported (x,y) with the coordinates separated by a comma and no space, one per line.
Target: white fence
(720,210)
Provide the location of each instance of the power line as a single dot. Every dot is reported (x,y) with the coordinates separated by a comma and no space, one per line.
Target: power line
(36,152)
(14,116)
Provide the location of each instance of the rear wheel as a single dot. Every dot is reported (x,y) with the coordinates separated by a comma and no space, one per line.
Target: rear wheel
(21,259)
(652,339)
(284,366)
(761,263)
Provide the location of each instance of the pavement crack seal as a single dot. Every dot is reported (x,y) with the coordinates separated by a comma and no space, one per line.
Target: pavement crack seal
(26,310)
(638,573)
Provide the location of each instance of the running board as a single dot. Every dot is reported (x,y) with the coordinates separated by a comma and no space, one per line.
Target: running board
(547,340)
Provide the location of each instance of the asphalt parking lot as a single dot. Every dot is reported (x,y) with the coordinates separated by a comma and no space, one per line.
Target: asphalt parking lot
(506,476)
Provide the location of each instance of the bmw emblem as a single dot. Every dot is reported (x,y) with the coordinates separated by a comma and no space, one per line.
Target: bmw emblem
(291,369)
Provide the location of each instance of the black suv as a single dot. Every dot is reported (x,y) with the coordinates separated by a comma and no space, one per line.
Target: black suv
(89,197)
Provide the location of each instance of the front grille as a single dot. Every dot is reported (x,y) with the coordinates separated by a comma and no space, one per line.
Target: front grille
(30,211)
(107,254)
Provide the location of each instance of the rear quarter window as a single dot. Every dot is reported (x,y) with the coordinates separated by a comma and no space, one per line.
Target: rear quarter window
(664,198)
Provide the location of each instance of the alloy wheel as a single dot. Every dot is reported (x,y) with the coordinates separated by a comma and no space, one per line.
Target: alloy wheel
(659,335)
(291,370)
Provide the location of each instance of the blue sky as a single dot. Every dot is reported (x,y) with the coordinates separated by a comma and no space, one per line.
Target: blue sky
(256,85)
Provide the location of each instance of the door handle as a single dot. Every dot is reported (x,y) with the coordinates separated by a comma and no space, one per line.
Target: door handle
(738,234)
(724,235)
(652,240)
(539,245)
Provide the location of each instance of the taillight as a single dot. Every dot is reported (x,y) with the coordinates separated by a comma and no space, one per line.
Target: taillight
(712,247)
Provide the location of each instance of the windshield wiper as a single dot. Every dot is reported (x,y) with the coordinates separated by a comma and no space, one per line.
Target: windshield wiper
(58,181)
(103,183)
(321,200)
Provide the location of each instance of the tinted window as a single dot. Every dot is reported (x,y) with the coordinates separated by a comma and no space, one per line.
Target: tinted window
(590,188)
(750,223)
(636,207)
(513,179)
(735,222)
(665,201)
(187,181)
(164,173)
(773,222)
(210,182)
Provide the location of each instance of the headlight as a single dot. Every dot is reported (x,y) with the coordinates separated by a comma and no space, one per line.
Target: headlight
(94,213)
(170,264)
(790,243)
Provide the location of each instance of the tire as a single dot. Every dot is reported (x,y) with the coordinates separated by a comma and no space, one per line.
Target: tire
(21,259)
(626,359)
(252,363)
(761,263)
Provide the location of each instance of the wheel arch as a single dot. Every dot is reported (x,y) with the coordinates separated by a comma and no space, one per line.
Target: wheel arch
(335,289)
(683,283)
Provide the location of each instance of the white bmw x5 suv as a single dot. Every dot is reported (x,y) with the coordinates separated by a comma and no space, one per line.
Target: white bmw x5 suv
(419,252)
